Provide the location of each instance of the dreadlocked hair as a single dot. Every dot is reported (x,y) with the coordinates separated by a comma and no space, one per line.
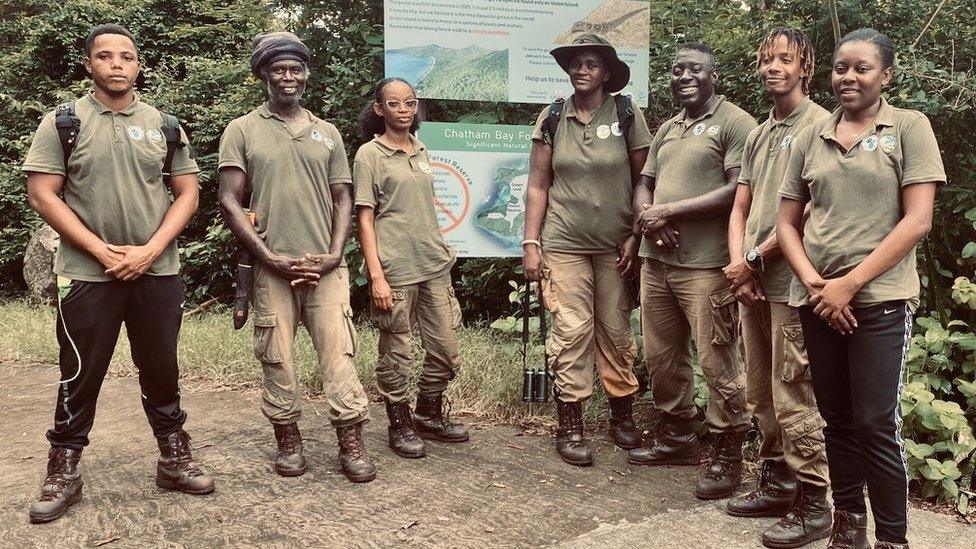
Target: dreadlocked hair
(797,43)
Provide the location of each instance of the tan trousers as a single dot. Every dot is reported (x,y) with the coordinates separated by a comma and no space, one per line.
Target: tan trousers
(590,325)
(675,303)
(433,309)
(325,312)
(780,390)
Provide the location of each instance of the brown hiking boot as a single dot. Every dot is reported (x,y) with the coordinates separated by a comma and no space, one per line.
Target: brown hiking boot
(676,444)
(289,461)
(808,520)
(62,487)
(850,531)
(724,474)
(175,468)
(403,439)
(622,429)
(773,495)
(356,465)
(570,443)
(432,419)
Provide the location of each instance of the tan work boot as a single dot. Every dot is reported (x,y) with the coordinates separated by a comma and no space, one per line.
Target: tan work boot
(62,487)
(176,470)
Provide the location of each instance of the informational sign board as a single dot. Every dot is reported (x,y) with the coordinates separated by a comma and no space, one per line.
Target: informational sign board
(481,173)
(498,50)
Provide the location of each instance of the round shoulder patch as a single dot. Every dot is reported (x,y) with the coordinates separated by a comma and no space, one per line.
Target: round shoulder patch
(698,129)
(424,167)
(888,143)
(713,130)
(316,135)
(615,129)
(154,135)
(870,143)
(603,131)
(136,133)
(785,144)
(329,143)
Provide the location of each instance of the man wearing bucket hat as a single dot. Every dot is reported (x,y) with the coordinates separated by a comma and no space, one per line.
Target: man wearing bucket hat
(685,193)
(295,167)
(586,154)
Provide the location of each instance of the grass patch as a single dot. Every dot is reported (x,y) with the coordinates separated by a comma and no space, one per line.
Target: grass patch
(489,384)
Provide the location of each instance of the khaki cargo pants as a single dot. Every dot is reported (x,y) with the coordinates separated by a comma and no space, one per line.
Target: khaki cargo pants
(677,303)
(780,390)
(433,309)
(590,325)
(325,312)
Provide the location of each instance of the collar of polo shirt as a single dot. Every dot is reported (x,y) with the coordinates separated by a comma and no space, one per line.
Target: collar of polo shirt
(885,117)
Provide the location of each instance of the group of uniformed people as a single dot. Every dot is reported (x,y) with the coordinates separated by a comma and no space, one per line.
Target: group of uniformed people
(800,229)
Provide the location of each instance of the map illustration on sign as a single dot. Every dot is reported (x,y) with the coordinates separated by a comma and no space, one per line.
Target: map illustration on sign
(481,175)
(486,50)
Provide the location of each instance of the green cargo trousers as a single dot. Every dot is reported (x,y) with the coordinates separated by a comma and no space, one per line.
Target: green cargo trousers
(324,311)
(677,303)
(431,307)
(780,390)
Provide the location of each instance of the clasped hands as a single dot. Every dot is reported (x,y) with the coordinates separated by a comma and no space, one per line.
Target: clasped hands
(654,222)
(307,269)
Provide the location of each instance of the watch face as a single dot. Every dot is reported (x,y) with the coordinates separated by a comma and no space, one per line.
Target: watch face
(752,255)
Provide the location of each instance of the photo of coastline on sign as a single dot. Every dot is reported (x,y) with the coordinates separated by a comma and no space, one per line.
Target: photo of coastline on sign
(484,50)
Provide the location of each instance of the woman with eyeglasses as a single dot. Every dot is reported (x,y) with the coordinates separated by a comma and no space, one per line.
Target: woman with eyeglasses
(409,268)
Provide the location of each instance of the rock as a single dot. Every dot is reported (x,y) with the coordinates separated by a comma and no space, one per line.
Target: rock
(42,286)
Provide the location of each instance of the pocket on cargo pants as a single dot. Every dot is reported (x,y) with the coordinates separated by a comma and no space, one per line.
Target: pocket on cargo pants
(796,367)
(725,317)
(266,347)
(397,319)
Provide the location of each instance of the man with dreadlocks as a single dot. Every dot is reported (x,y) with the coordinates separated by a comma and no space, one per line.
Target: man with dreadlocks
(793,476)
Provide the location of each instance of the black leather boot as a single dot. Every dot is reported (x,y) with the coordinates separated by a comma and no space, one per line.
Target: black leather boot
(773,495)
(175,468)
(432,421)
(724,474)
(622,429)
(289,461)
(62,487)
(402,438)
(850,531)
(808,520)
(676,444)
(570,443)
(356,464)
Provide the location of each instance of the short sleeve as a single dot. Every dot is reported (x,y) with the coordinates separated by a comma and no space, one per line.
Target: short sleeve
(735,140)
(650,166)
(183,162)
(793,186)
(45,154)
(639,137)
(363,179)
(338,161)
(537,133)
(749,157)
(233,148)
(921,160)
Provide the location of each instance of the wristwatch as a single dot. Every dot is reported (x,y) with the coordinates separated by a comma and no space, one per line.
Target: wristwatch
(754,260)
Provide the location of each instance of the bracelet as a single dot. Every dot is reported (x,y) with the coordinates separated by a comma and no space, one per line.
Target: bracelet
(532,241)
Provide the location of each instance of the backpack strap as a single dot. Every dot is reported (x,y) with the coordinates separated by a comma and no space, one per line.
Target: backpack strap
(68,125)
(171,131)
(625,115)
(551,122)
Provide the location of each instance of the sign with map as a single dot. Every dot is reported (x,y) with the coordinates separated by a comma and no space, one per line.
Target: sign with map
(481,173)
(492,50)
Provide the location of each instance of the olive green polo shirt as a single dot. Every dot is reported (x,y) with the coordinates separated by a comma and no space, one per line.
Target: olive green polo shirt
(400,189)
(855,196)
(688,158)
(589,209)
(764,160)
(290,175)
(113,181)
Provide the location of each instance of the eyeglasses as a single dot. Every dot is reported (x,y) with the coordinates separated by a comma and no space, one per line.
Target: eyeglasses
(394,105)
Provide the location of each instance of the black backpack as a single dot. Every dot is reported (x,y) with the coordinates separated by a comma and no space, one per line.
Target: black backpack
(625,117)
(68,125)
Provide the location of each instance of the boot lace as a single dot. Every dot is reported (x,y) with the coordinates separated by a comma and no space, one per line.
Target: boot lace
(841,535)
(289,441)
(57,477)
(796,516)
(352,443)
(722,457)
(180,455)
(402,425)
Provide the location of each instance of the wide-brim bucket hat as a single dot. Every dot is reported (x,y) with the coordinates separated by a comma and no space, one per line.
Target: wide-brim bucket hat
(619,71)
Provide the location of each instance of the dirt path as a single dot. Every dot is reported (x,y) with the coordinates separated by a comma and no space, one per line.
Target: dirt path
(501,489)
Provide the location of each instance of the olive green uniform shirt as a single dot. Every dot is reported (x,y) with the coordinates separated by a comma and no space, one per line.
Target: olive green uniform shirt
(855,196)
(289,175)
(764,160)
(400,189)
(688,158)
(113,181)
(589,209)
